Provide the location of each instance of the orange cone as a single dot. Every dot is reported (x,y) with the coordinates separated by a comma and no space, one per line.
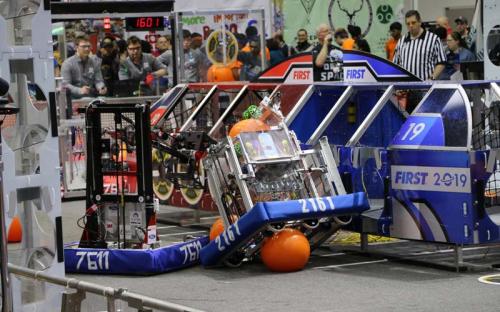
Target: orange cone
(15,233)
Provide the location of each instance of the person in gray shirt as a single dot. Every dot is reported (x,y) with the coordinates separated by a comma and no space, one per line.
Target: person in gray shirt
(138,65)
(193,59)
(82,72)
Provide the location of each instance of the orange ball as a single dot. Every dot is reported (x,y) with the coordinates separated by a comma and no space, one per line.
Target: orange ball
(216,229)
(218,226)
(15,233)
(286,251)
(219,73)
(248,125)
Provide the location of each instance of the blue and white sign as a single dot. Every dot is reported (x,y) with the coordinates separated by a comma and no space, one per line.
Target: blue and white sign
(419,130)
(134,261)
(264,213)
(435,179)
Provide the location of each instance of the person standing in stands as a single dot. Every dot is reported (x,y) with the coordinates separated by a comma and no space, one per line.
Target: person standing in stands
(139,65)
(442,21)
(110,62)
(193,59)
(464,30)
(252,62)
(81,73)
(360,43)
(340,36)
(390,45)
(458,53)
(163,44)
(303,44)
(325,56)
(285,50)
(419,51)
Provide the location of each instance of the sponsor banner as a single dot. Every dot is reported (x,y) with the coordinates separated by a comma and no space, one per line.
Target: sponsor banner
(373,16)
(204,24)
(358,74)
(434,179)
(300,76)
(236,22)
(134,261)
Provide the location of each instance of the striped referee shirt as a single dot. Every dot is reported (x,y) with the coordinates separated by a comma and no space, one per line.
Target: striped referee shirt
(419,56)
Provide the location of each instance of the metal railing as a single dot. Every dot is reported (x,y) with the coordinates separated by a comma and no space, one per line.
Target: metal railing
(73,301)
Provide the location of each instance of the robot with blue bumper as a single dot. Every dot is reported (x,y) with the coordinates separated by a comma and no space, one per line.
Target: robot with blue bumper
(265,185)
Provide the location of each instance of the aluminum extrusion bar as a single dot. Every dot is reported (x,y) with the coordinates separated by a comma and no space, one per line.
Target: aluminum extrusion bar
(191,117)
(331,115)
(371,117)
(300,104)
(235,101)
(120,294)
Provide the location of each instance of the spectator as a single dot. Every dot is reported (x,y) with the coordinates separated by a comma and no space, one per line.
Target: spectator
(457,45)
(322,55)
(340,36)
(252,64)
(419,51)
(285,50)
(252,34)
(359,43)
(464,30)
(303,44)
(457,53)
(139,65)
(390,45)
(349,42)
(442,21)
(196,41)
(442,33)
(275,50)
(122,49)
(110,62)
(163,44)
(82,72)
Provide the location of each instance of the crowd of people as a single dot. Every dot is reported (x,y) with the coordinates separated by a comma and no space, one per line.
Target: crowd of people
(427,54)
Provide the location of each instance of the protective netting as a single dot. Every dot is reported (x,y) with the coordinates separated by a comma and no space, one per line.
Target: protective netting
(486,136)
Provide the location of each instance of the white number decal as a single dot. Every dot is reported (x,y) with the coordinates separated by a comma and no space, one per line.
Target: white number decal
(228,236)
(191,251)
(316,204)
(321,204)
(414,130)
(304,205)
(330,201)
(218,241)
(96,260)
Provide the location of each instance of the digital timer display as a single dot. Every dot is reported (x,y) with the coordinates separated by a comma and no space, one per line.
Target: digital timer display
(144,23)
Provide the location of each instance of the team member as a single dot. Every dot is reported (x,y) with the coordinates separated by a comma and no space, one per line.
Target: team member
(139,65)
(82,72)
(390,45)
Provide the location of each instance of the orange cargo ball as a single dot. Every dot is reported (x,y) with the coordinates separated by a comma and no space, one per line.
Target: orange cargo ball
(286,251)
(15,233)
(248,125)
(218,73)
(216,229)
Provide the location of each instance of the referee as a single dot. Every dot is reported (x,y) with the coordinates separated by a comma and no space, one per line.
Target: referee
(419,51)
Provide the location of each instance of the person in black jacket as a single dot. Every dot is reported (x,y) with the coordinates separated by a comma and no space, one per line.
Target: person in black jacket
(303,44)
